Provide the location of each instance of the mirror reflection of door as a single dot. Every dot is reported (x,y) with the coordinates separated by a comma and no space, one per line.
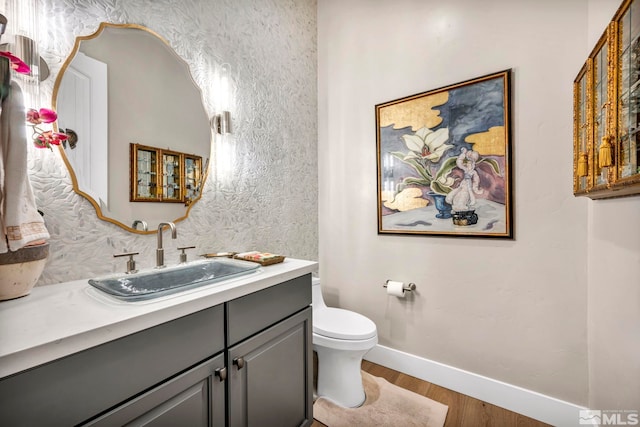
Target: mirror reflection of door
(83,107)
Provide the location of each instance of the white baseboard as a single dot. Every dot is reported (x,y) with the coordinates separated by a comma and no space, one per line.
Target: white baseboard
(526,402)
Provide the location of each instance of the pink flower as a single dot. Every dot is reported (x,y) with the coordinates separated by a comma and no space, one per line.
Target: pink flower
(16,63)
(58,137)
(49,138)
(45,115)
(44,138)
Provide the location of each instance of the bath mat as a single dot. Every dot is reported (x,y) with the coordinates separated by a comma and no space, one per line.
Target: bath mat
(386,405)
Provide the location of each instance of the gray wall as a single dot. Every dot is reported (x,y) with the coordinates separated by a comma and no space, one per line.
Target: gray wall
(554,311)
(514,311)
(269,200)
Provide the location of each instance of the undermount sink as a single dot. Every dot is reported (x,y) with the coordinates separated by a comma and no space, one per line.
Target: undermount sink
(169,280)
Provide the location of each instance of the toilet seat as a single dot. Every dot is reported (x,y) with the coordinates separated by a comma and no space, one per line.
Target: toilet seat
(339,344)
(342,324)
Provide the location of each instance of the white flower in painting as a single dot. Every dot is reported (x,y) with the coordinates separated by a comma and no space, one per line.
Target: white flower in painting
(427,144)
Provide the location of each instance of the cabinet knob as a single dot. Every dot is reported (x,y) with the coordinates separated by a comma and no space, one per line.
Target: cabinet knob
(221,373)
(239,362)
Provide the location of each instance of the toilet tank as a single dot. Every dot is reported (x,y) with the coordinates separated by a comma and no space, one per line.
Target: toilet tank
(317,301)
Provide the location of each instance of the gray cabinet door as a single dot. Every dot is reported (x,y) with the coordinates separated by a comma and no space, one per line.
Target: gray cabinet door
(195,398)
(270,376)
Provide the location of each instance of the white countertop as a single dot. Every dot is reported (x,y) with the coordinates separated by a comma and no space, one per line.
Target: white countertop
(58,320)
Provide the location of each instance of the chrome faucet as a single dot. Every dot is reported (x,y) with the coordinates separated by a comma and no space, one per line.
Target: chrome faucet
(160,251)
(143,223)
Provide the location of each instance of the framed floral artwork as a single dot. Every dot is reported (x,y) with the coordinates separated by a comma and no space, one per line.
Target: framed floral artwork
(444,161)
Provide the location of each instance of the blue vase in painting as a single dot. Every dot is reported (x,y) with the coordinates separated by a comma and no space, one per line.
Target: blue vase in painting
(444,208)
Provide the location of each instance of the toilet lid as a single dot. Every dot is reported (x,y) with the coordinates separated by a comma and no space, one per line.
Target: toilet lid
(342,324)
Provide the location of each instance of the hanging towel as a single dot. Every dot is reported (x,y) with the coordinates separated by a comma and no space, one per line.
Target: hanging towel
(21,224)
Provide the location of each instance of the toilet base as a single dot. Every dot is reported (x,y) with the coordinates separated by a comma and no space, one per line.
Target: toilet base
(339,377)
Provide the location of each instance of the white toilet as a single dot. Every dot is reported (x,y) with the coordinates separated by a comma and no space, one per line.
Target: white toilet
(340,338)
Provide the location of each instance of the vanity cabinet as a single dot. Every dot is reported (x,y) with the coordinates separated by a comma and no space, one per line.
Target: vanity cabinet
(247,362)
(264,382)
(195,398)
(271,370)
(606,159)
(78,388)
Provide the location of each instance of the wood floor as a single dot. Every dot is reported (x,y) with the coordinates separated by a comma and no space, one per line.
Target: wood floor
(464,411)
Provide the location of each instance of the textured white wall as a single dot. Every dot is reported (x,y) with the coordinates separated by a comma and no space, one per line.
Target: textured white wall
(614,281)
(514,311)
(270,200)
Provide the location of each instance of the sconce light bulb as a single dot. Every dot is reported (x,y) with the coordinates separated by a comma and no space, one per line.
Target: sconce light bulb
(221,123)
(225,122)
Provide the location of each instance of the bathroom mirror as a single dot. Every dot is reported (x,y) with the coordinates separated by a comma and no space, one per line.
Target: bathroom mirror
(125,85)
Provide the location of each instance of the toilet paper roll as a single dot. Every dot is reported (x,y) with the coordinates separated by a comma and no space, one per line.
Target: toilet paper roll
(395,288)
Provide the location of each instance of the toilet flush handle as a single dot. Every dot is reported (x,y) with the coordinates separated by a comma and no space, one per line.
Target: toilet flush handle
(239,362)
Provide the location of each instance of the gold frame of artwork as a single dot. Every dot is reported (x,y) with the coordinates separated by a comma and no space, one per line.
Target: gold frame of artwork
(444,161)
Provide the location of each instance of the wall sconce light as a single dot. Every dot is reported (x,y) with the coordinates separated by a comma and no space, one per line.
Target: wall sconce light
(221,123)
(22,37)
(3,24)
(221,96)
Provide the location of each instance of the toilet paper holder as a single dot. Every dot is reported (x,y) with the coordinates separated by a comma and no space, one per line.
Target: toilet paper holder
(407,288)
